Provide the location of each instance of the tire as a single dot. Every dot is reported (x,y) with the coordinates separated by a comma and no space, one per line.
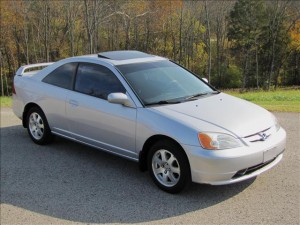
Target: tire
(168,166)
(37,126)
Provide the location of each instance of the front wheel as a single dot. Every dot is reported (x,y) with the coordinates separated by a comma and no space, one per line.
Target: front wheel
(38,127)
(169,166)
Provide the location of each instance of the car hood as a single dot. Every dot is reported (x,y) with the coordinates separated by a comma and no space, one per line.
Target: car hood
(232,114)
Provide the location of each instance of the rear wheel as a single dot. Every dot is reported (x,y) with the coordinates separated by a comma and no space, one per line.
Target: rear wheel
(169,166)
(38,127)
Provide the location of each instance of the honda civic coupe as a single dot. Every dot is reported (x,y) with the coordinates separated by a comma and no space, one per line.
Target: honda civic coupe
(150,110)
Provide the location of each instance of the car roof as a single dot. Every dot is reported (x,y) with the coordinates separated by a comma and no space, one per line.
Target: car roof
(123,57)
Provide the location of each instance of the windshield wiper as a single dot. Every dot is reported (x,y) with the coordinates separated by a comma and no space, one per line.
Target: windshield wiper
(162,102)
(200,94)
(195,96)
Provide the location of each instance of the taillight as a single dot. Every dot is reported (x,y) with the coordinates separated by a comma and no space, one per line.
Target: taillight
(13,89)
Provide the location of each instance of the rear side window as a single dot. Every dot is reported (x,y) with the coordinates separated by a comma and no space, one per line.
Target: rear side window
(96,80)
(62,76)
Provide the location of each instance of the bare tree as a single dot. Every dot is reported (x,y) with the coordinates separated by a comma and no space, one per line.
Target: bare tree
(276,16)
(1,74)
(208,40)
(72,9)
(46,24)
(219,15)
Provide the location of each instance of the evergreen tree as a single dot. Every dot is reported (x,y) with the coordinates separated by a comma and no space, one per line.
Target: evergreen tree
(246,25)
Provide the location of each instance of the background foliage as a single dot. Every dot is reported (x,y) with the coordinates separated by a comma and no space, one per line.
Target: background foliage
(235,44)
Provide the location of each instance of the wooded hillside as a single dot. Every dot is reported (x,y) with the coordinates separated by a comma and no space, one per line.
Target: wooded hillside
(235,44)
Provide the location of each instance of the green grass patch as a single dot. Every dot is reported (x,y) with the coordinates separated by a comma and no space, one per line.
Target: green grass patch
(280,100)
(5,101)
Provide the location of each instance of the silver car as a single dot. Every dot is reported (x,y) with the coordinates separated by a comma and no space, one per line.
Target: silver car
(149,109)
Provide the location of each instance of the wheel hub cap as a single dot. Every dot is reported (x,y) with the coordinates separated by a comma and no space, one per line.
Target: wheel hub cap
(36,126)
(166,168)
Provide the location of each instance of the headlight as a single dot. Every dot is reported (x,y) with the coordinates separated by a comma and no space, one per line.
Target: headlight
(218,141)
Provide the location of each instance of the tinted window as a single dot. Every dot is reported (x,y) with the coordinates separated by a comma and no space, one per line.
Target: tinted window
(97,81)
(62,76)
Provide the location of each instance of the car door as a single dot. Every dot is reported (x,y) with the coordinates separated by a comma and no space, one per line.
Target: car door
(55,88)
(95,121)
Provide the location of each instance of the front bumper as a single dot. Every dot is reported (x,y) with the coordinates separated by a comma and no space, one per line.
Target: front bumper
(218,167)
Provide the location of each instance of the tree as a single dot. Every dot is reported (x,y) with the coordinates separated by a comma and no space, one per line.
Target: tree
(246,25)
(71,10)
(208,40)
(219,28)
(243,42)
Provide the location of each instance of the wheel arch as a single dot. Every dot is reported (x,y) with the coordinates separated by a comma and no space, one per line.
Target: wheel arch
(147,145)
(26,109)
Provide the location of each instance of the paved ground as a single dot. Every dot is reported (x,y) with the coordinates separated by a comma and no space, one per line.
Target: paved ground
(68,183)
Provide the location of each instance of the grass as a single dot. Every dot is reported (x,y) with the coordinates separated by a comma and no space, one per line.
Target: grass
(280,100)
(5,101)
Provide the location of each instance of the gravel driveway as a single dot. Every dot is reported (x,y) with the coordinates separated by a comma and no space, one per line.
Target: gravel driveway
(68,183)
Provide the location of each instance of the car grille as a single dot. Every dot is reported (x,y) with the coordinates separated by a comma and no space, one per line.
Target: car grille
(251,169)
(259,136)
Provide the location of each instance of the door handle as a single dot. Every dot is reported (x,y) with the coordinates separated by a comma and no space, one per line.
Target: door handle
(73,103)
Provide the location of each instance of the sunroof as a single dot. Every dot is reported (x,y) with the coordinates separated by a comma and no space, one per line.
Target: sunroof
(122,55)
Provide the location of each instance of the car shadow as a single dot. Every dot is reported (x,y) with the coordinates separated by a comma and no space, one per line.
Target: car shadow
(74,182)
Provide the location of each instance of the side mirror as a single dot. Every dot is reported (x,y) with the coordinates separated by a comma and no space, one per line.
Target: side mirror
(120,98)
(204,79)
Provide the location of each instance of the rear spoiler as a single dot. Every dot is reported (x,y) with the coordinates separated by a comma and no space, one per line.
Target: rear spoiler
(22,69)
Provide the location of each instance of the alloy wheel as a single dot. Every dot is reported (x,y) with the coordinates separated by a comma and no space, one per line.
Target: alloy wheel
(166,168)
(36,126)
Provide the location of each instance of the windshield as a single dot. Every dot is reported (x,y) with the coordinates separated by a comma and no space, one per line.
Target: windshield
(163,82)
